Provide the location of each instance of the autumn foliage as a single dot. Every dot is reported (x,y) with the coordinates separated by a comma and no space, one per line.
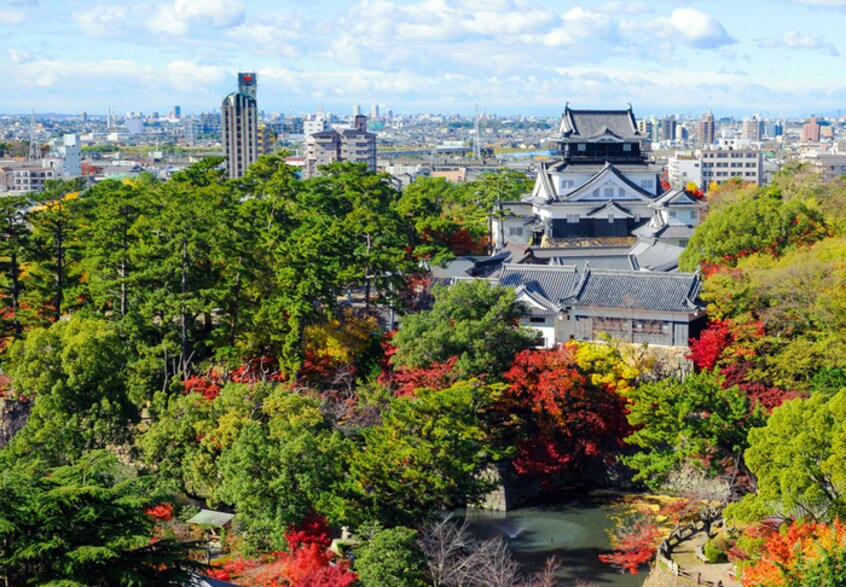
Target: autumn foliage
(307,566)
(559,417)
(313,530)
(799,553)
(731,346)
(436,376)
(162,512)
(634,544)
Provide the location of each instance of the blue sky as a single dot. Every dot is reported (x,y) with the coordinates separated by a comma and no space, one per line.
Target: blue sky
(509,56)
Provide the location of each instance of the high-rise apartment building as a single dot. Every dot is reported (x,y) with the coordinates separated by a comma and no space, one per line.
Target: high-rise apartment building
(266,139)
(239,126)
(811,131)
(668,128)
(753,129)
(705,129)
(72,155)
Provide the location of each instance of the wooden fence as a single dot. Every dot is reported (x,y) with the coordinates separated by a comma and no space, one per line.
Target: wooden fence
(665,549)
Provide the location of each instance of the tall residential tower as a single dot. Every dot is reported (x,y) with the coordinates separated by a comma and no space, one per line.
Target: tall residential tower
(239,126)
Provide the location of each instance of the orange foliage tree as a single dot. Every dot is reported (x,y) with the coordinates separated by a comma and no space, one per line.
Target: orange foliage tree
(798,554)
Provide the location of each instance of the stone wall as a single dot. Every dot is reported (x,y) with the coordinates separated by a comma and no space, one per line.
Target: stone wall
(13,415)
(512,490)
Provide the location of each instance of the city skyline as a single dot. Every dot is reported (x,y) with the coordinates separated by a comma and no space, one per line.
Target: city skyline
(510,56)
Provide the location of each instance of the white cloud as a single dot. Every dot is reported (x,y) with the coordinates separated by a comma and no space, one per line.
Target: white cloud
(793,39)
(622,7)
(102,20)
(268,34)
(10,17)
(176,76)
(187,76)
(578,25)
(693,28)
(18,57)
(178,17)
(822,3)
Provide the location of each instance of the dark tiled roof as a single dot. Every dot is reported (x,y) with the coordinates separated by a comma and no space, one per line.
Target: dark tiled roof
(517,208)
(677,231)
(538,305)
(564,252)
(675,197)
(625,262)
(657,227)
(553,283)
(657,256)
(559,165)
(585,124)
(479,266)
(643,290)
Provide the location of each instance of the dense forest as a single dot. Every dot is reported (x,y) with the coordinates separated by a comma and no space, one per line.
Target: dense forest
(204,342)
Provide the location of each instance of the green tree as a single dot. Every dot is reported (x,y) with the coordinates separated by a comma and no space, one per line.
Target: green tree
(182,257)
(498,186)
(425,456)
(762,222)
(391,556)
(180,447)
(74,373)
(798,303)
(277,471)
(473,321)
(55,249)
(84,524)
(324,236)
(14,249)
(109,237)
(799,460)
(430,206)
(263,218)
(695,421)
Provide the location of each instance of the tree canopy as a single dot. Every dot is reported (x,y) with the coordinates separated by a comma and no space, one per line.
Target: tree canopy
(473,321)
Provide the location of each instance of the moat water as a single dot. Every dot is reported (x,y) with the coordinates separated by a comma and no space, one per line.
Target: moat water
(575,532)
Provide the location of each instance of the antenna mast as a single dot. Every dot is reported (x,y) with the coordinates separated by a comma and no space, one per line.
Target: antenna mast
(34,150)
(477,148)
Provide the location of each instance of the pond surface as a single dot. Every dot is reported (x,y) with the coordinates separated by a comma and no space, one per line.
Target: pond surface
(574,531)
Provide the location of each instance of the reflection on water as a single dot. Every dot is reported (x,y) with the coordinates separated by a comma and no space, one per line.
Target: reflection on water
(575,532)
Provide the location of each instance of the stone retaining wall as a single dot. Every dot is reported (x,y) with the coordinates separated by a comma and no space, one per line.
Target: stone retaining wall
(13,415)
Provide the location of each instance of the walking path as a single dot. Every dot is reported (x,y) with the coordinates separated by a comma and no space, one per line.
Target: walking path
(685,555)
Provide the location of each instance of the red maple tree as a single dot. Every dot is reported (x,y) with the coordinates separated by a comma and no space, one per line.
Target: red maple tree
(559,417)
(314,529)
(634,544)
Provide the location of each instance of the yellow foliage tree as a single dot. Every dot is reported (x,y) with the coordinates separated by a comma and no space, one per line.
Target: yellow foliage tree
(612,364)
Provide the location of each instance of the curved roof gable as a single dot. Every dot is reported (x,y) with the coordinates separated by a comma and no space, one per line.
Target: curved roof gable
(610,209)
(609,173)
(676,197)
